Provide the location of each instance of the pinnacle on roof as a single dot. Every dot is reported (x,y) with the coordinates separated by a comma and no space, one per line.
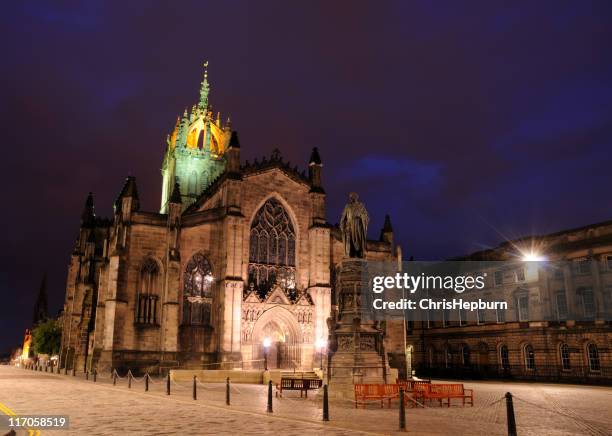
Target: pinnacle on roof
(315,159)
(175,197)
(88,216)
(234,142)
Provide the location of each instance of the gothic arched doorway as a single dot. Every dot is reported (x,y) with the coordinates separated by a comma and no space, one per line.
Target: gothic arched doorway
(277,339)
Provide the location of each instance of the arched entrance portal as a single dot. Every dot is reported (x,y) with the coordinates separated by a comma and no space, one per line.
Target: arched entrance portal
(277,339)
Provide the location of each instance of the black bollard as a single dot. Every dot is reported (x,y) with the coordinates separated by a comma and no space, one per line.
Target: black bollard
(227,392)
(95,374)
(129,380)
(195,393)
(510,415)
(402,411)
(114,378)
(58,368)
(325,404)
(66,369)
(269,396)
(86,375)
(168,384)
(147,382)
(73,372)
(46,367)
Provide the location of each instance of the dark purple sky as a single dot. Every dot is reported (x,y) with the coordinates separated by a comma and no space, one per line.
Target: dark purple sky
(465,123)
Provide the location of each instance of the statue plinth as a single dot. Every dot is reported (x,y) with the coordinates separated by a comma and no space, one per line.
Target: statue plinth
(356,347)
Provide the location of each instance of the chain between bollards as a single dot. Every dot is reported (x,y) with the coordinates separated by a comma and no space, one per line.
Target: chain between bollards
(195,392)
(227,392)
(168,383)
(325,404)
(269,396)
(402,412)
(510,415)
(147,382)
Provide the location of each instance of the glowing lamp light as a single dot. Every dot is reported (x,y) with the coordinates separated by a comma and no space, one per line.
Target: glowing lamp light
(321,343)
(267,342)
(533,257)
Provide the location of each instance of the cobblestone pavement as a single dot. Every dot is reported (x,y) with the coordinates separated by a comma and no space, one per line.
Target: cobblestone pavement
(103,409)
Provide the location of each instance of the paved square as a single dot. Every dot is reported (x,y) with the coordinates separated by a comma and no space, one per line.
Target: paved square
(103,409)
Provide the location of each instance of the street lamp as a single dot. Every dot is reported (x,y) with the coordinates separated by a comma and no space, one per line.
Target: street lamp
(321,344)
(266,343)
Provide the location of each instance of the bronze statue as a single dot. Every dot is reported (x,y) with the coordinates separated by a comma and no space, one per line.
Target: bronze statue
(354,227)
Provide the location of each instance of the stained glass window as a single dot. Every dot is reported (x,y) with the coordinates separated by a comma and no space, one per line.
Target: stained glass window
(272,248)
(197,291)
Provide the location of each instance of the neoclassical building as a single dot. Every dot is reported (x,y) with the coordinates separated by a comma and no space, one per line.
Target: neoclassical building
(238,253)
(558,325)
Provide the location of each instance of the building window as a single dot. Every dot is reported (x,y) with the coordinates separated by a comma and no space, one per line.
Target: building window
(448,357)
(583,266)
(593,356)
(561,305)
(608,259)
(430,356)
(504,357)
(197,291)
(522,304)
(520,275)
(446,317)
(465,355)
(529,357)
(500,315)
(148,292)
(272,249)
(498,278)
(558,273)
(481,315)
(587,300)
(565,357)
(462,317)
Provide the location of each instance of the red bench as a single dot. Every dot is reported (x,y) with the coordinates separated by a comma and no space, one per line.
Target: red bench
(448,391)
(376,392)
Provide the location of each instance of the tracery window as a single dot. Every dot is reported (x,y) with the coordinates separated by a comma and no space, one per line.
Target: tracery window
(197,291)
(148,295)
(272,248)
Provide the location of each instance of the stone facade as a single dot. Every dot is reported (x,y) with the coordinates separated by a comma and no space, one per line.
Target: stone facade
(242,254)
(557,326)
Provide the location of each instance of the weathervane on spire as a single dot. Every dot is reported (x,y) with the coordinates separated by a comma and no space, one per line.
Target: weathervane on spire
(203,103)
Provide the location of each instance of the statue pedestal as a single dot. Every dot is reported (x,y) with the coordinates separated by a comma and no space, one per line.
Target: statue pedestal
(357,353)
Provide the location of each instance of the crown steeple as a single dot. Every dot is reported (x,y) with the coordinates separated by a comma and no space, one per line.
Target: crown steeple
(195,155)
(204,90)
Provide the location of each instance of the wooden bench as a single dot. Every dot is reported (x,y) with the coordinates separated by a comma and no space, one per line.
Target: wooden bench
(297,384)
(365,392)
(448,391)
